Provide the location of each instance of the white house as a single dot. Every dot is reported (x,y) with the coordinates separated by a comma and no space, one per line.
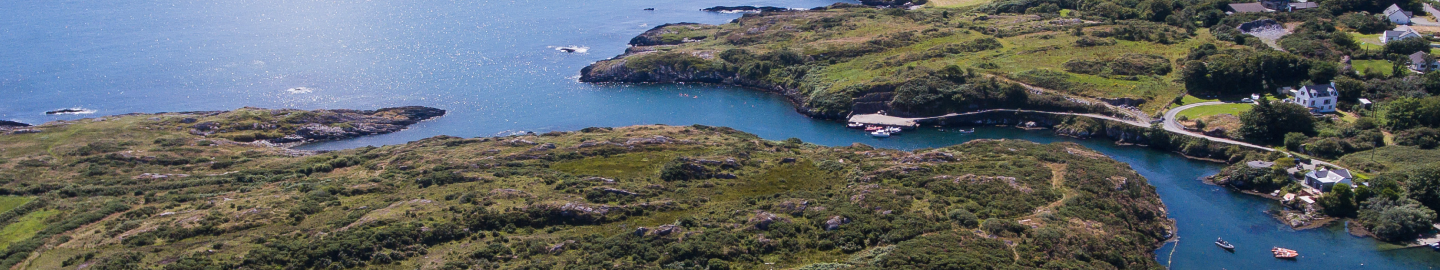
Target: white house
(1419,63)
(1397,15)
(1326,179)
(1319,98)
(1400,32)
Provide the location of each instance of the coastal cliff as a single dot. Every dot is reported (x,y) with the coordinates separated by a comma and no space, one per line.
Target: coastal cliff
(147,190)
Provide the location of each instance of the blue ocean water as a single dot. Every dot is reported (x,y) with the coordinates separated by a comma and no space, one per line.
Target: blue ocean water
(493,65)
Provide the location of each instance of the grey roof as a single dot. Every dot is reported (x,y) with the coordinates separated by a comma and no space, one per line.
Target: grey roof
(1248,7)
(1394,9)
(1326,175)
(1304,5)
(1318,90)
(1400,31)
(1417,57)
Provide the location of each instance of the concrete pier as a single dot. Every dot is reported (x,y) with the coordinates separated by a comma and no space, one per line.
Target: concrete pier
(884,120)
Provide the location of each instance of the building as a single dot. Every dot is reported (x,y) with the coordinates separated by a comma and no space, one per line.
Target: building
(1397,15)
(1326,179)
(1422,62)
(1399,33)
(1270,6)
(1319,98)
(1303,6)
(1247,8)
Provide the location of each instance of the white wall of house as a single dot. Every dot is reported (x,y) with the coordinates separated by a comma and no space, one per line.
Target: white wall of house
(1319,103)
(1399,18)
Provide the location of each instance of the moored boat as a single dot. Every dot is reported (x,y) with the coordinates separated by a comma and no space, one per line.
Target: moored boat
(880,134)
(892,130)
(1285,253)
(874,128)
(1223,244)
(971,130)
(855,125)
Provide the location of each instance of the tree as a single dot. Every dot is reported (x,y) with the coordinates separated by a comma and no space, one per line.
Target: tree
(1407,46)
(1269,121)
(1339,202)
(1423,185)
(1395,219)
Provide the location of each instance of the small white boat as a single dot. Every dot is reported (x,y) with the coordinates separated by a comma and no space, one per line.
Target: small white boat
(971,130)
(892,129)
(855,125)
(880,134)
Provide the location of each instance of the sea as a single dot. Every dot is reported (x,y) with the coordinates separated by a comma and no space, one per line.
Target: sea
(496,68)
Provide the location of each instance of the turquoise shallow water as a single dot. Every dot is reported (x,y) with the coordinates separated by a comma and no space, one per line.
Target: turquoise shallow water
(492,65)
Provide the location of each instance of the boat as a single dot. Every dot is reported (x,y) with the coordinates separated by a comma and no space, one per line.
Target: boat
(855,125)
(971,130)
(650,9)
(892,129)
(880,134)
(874,128)
(1285,253)
(1223,244)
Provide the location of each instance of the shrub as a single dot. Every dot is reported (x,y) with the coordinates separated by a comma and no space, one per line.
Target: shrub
(963,217)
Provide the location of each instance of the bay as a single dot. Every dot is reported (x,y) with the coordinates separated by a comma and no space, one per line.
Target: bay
(494,66)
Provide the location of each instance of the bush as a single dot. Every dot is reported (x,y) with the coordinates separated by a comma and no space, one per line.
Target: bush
(1294,141)
(1002,227)
(964,218)
(680,169)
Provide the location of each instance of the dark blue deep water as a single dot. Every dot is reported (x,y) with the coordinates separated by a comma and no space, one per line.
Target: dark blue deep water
(493,66)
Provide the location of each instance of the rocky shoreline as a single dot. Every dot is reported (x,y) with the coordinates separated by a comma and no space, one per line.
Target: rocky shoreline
(270,127)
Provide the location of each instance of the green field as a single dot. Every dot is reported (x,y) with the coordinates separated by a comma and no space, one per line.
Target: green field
(1384,67)
(24,228)
(1188,99)
(8,203)
(1208,110)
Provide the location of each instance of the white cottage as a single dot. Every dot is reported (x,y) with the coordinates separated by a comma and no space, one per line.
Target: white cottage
(1319,98)
(1399,33)
(1397,15)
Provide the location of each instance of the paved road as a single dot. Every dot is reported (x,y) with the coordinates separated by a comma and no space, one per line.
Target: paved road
(1091,115)
(1174,126)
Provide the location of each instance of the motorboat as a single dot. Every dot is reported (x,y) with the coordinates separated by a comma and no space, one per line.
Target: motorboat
(1223,244)
(892,129)
(971,130)
(874,128)
(1285,253)
(855,125)
(880,134)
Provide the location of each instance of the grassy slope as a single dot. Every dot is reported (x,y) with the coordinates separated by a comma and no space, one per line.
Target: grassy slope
(24,227)
(1382,66)
(240,196)
(10,202)
(1208,110)
(1047,48)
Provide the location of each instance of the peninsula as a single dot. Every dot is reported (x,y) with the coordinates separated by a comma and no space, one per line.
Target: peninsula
(186,191)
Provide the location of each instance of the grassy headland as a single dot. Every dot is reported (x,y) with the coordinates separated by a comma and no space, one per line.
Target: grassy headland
(145,191)
(843,59)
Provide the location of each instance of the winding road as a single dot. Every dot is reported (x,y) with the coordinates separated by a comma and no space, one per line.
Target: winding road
(1174,126)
